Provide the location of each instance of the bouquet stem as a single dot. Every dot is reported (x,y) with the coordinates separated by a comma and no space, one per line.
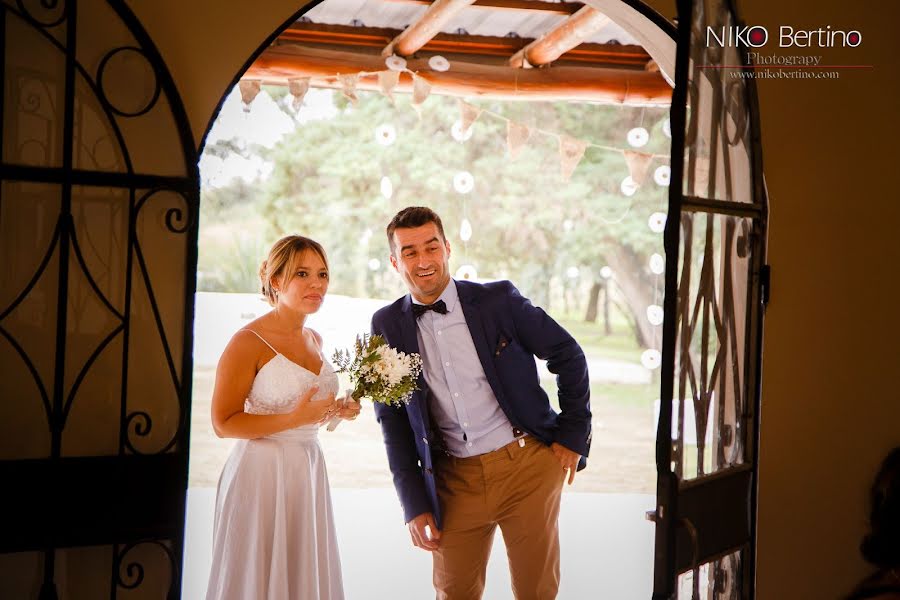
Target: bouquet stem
(336,419)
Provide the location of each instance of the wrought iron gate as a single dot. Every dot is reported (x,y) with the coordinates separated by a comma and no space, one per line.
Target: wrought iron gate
(716,291)
(99,194)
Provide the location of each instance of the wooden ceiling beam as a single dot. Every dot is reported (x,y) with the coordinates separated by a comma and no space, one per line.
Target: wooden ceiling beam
(439,13)
(279,64)
(560,8)
(562,38)
(338,36)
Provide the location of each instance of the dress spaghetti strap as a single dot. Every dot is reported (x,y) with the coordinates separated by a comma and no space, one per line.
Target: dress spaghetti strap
(264,341)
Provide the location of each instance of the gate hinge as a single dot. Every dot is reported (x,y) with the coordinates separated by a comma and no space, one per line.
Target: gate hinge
(765,283)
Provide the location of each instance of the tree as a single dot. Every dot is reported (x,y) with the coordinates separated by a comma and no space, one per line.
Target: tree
(527,224)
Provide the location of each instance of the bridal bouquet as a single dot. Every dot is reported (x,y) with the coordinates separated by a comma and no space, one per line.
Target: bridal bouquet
(378,371)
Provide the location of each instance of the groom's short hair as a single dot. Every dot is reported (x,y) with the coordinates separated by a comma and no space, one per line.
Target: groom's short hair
(413,216)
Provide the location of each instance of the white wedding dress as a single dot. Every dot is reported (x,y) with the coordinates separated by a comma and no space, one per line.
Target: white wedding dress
(274,536)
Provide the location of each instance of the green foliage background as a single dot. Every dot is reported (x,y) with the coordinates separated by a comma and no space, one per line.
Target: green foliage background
(528,224)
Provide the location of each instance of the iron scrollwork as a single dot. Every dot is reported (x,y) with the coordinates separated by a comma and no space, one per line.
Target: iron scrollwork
(104,94)
(70,93)
(178,220)
(129,574)
(49,6)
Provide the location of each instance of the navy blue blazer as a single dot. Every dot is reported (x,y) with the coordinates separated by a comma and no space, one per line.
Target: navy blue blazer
(508,331)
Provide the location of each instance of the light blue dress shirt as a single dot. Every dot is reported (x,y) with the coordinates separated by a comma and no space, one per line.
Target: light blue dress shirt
(462,403)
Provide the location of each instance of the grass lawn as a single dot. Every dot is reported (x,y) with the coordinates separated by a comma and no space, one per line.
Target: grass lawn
(622,453)
(620,344)
(621,459)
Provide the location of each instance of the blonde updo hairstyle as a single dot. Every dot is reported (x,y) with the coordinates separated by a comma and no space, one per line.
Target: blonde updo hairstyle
(283,259)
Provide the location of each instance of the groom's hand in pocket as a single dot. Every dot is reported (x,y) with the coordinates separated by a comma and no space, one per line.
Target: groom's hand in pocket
(419,530)
(567,458)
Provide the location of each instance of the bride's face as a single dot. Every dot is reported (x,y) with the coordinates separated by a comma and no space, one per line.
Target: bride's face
(304,289)
(422,257)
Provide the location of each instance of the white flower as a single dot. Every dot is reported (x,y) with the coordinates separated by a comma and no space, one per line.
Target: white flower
(392,366)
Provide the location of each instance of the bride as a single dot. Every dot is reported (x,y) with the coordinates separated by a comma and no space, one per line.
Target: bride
(274,534)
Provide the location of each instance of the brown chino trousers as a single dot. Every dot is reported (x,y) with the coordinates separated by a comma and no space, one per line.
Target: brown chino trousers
(517,487)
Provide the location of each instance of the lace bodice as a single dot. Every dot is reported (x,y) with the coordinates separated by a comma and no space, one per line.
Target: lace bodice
(280,383)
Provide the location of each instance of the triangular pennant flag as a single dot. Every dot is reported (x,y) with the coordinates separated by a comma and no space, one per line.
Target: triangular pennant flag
(701,178)
(249,89)
(348,86)
(421,90)
(387,81)
(467,115)
(570,153)
(298,88)
(517,135)
(638,165)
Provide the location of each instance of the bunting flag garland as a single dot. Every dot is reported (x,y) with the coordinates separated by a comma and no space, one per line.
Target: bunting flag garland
(517,135)
(348,86)
(468,114)
(298,88)
(387,81)
(570,152)
(701,176)
(638,165)
(249,89)
(421,90)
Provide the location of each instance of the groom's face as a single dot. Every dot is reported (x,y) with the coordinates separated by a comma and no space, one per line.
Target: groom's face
(422,257)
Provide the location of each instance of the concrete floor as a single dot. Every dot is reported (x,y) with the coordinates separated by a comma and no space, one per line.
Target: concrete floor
(607,548)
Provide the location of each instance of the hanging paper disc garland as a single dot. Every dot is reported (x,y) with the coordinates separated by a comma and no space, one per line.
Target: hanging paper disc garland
(385,134)
(655,314)
(395,63)
(439,63)
(387,188)
(662,175)
(638,137)
(458,133)
(657,222)
(463,182)
(465,230)
(651,358)
(466,272)
(657,264)
(628,186)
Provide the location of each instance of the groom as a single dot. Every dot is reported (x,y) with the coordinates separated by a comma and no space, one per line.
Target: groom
(479,444)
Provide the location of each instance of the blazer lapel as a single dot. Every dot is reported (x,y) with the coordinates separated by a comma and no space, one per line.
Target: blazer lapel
(409,337)
(469,302)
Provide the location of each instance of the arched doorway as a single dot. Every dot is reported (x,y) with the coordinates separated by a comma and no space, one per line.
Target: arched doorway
(308,30)
(140,547)
(99,199)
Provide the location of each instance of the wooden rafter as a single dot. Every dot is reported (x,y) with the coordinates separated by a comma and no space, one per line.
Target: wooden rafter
(560,8)
(562,38)
(344,36)
(279,64)
(419,33)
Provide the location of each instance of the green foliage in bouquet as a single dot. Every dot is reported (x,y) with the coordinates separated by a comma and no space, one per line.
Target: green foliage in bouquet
(378,371)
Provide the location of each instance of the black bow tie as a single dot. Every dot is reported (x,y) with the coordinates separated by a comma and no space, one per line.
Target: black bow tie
(438,307)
